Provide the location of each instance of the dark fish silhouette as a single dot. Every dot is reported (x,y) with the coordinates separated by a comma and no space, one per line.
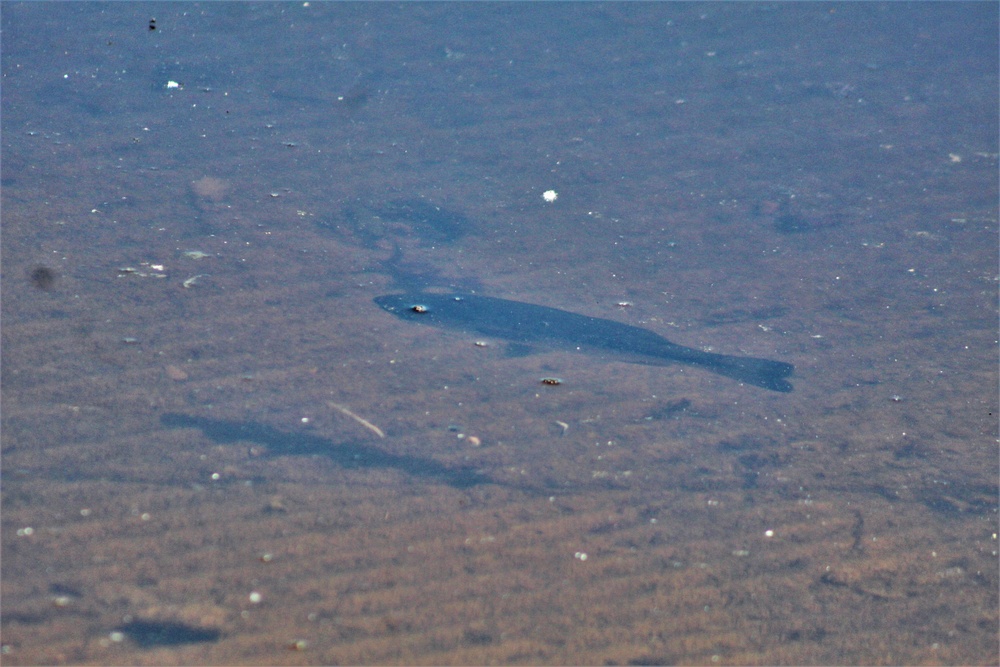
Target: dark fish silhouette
(526,323)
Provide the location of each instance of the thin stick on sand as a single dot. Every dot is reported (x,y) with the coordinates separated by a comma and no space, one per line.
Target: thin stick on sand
(361,420)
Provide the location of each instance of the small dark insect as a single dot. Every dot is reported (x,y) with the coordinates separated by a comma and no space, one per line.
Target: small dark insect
(43,277)
(152,24)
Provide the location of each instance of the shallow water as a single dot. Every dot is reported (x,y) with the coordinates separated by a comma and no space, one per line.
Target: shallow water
(195,378)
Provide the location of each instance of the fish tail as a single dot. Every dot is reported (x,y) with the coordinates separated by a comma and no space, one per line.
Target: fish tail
(751,370)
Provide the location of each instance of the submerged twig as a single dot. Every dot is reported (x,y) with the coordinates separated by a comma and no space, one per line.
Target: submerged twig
(361,420)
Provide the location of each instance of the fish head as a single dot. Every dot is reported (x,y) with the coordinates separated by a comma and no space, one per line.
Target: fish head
(415,306)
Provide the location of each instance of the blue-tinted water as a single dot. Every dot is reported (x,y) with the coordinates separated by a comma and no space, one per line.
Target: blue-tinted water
(218,449)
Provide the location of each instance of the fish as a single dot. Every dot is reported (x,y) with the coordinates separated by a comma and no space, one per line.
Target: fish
(527,324)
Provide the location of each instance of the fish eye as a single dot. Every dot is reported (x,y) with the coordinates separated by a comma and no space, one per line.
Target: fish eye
(419,308)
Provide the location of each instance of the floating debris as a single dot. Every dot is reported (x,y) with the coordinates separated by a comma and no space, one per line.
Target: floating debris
(552,382)
(146,270)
